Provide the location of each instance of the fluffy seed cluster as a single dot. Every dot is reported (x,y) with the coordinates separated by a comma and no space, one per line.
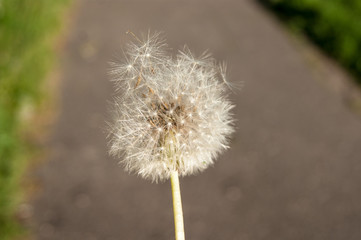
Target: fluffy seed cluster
(172,113)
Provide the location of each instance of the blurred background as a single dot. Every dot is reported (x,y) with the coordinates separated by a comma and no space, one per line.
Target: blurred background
(293,169)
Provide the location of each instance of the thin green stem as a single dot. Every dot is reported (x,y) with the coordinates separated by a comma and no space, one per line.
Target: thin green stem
(177,207)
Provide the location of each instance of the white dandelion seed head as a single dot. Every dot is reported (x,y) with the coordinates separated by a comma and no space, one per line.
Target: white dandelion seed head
(162,104)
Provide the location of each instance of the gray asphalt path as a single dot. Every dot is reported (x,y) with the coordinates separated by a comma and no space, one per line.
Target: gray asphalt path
(293,170)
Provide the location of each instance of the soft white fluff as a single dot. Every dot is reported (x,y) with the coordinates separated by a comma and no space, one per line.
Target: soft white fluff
(172,113)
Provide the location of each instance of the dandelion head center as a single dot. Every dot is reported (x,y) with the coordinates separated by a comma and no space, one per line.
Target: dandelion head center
(168,117)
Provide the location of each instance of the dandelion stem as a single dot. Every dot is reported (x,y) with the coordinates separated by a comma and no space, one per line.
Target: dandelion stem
(177,207)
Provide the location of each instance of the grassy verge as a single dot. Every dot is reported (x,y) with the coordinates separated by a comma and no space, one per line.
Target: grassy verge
(27,30)
(334,25)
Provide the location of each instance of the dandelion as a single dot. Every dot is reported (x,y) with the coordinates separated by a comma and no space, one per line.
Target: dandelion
(172,116)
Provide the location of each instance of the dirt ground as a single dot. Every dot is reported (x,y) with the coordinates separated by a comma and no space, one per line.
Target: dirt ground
(293,170)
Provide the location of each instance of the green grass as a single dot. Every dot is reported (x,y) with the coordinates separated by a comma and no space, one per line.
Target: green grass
(334,25)
(27,29)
